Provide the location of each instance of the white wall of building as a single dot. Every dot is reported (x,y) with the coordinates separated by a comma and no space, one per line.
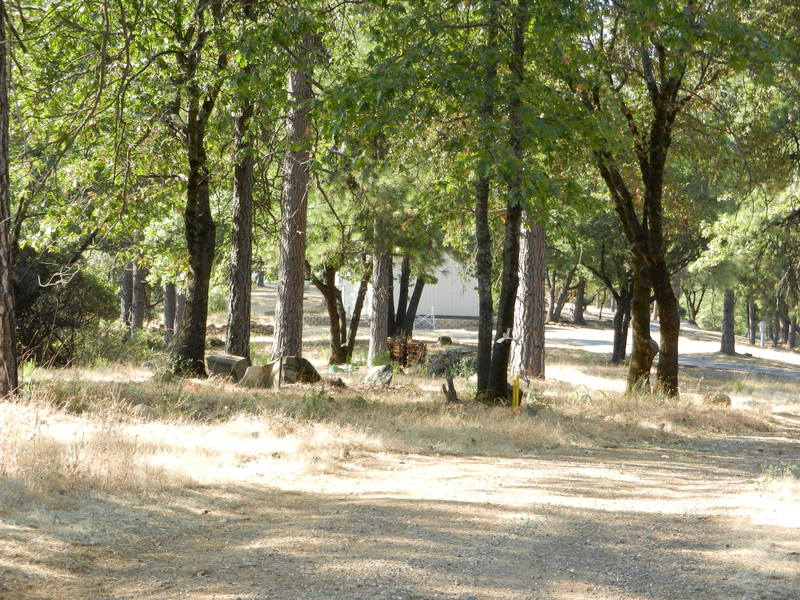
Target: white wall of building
(454,294)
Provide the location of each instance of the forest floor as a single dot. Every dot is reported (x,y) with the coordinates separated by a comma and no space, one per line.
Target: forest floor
(215,493)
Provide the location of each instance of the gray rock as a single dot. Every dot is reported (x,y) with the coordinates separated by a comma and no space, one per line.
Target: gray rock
(378,376)
(227,364)
(335,382)
(260,376)
(446,362)
(298,370)
(214,342)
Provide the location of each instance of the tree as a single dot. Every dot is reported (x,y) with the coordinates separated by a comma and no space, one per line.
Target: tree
(529,315)
(237,341)
(647,63)
(728,345)
(294,204)
(8,337)
(196,101)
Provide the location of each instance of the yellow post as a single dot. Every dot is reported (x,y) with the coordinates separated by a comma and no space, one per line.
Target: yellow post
(515,393)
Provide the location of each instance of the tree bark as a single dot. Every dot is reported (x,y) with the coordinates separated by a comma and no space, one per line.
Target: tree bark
(355,318)
(126,295)
(180,310)
(332,296)
(201,244)
(580,292)
(501,351)
(792,335)
(381,282)
(622,316)
(728,345)
(752,321)
(670,326)
(237,341)
(413,306)
(294,207)
(402,299)
(557,308)
(390,318)
(483,236)
(641,354)
(200,229)
(169,312)
(529,315)
(8,327)
(139,303)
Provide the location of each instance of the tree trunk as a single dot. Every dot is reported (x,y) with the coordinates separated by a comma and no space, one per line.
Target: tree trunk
(8,326)
(626,322)
(580,292)
(139,303)
(529,315)
(294,207)
(641,353)
(180,310)
(201,244)
(126,295)
(670,326)
(355,318)
(728,345)
(328,289)
(200,229)
(563,296)
(237,341)
(792,334)
(622,316)
(752,321)
(169,312)
(381,283)
(413,305)
(390,317)
(483,236)
(501,351)
(402,299)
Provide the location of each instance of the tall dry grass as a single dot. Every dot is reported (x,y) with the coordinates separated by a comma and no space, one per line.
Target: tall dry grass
(73,436)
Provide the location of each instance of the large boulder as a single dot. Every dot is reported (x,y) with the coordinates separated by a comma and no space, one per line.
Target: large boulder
(298,370)
(379,376)
(228,365)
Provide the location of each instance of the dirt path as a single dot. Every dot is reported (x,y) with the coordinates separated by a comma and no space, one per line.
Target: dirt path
(689,521)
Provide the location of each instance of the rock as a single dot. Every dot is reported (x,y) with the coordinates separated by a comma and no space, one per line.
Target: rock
(445,340)
(378,376)
(262,329)
(213,342)
(260,376)
(447,362)
(335,382)
(717,399)
(143,411)
(227,364)
(298,370)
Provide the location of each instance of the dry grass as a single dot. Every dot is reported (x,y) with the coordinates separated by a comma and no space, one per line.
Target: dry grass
(93,434)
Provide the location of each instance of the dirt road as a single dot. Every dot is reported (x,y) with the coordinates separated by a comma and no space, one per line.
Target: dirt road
(696,520)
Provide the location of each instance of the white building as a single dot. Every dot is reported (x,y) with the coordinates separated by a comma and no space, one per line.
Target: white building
(455,294)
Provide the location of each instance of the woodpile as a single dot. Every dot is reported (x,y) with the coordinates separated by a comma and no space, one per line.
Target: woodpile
(405,352)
